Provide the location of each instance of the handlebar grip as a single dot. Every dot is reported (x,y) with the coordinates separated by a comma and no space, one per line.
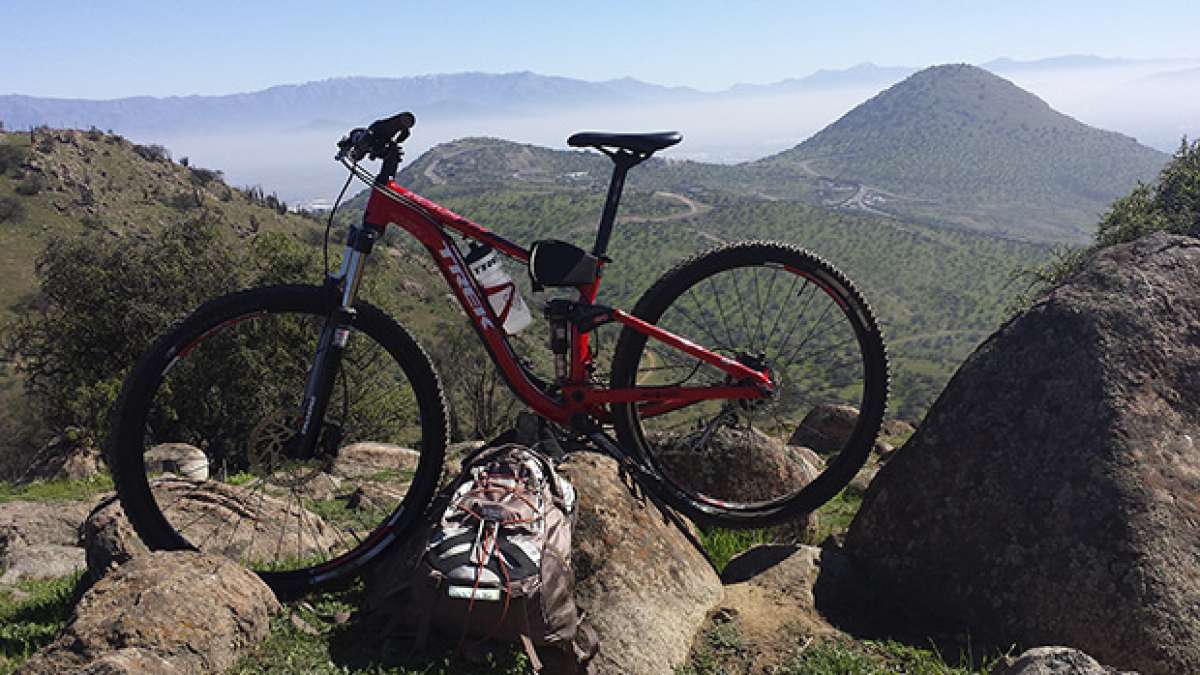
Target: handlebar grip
(387,128)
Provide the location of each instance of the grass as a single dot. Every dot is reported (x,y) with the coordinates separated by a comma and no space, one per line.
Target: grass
(722,651)
(723,545)
(29,623)
(350,648)
(56,490)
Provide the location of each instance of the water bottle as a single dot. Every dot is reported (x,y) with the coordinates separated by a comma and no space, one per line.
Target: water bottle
(502,294)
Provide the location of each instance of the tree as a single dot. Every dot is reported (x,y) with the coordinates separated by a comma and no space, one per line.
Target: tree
(1172,203)
(104,298)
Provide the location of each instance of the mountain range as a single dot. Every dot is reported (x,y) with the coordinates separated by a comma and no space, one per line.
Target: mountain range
(350,99)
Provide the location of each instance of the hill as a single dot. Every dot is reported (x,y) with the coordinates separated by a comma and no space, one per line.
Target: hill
(938,291)
(58,185)
(959,146)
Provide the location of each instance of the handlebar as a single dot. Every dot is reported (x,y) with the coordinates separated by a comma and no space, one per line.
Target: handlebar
(378,140)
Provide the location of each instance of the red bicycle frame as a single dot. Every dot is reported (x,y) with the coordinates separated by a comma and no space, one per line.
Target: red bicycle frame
(428,222)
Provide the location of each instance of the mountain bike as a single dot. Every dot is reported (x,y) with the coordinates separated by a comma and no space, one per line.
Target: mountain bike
(714,371)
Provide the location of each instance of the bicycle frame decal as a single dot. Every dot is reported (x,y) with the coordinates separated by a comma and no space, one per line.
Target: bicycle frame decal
(428,222)
(466,288)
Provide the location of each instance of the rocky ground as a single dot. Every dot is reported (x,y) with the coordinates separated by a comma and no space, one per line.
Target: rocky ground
(1050,497)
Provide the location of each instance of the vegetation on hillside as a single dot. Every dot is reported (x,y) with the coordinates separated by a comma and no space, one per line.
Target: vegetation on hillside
(968,148)
(1169,204)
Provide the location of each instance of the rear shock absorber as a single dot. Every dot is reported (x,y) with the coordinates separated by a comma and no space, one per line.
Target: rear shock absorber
(560,340)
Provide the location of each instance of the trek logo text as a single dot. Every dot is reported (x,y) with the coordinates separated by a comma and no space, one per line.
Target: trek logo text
(464,284)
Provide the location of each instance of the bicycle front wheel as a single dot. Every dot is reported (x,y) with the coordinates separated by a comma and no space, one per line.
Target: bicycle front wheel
(205,452)
(753,463)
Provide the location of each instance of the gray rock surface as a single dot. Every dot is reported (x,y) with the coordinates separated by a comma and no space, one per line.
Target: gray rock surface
(359,460)
(164,612)
(181,459)
(238,522)
(645,587)
(738,464)
(1052,494)
(39,540)
(1053,661)
(825,428)
(40,561)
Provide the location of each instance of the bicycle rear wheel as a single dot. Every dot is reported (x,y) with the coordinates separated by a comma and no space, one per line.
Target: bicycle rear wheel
(204,442)
(753,463)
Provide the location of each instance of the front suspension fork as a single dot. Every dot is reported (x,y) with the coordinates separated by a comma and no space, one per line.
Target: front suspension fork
(335,335)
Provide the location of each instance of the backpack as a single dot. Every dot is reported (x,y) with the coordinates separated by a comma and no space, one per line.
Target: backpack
(497,563)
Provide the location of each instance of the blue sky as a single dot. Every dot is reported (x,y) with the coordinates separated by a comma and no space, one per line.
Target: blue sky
(123,48)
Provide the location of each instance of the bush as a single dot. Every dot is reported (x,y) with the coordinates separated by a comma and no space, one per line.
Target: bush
(32,184)
(203,177)
(105,298)
(11,157)
(153,153)
(11,209)
(1171,204)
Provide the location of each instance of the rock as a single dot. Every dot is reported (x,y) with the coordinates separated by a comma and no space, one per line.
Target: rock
(1052,494)
(238,522)
(1053,661)
(738,464)
(181,459)
(39,540)
(826,428)
(130,661)
(40,561)
(65,458)
(36,523)
(181,611)
(361,460)
(897,429)
(645,586)
(774,593)
(375,497)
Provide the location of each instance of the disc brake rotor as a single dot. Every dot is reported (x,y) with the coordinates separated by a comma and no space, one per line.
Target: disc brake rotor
(268,447)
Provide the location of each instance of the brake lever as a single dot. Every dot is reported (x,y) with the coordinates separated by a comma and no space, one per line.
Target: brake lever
(351,145)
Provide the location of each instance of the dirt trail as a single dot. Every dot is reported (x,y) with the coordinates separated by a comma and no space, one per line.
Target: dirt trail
(694,208)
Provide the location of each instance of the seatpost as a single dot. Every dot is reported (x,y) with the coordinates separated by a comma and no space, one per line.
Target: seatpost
(622,161)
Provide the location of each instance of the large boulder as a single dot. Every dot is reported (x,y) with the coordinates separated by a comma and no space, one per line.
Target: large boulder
(39,540)
(237,522)
(737,464)
(165,612)
(642,579)
(1052,494)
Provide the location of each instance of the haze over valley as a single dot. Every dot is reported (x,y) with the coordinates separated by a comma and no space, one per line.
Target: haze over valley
(282,137)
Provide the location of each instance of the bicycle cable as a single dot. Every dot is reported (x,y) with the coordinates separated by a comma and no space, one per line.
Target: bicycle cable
(329,224)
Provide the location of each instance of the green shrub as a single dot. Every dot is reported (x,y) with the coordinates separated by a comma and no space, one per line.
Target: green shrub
(11,209)
(1170,204)
(11,157)
(153,153)
(32,184)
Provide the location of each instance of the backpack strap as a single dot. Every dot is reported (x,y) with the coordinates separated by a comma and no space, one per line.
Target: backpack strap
(534,662)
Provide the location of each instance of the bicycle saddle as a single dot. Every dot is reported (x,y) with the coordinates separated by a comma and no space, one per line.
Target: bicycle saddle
(642,143)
